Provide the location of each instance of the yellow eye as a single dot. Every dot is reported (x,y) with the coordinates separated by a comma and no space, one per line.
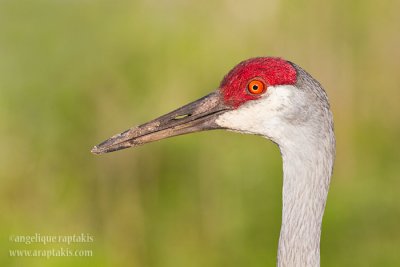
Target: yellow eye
(256,87)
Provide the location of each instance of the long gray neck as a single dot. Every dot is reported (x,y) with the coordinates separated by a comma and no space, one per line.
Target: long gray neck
(306,181)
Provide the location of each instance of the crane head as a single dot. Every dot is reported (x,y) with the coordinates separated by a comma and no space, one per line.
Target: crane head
(262,96)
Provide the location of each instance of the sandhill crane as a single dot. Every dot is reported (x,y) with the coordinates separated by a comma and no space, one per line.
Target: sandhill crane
(276,99)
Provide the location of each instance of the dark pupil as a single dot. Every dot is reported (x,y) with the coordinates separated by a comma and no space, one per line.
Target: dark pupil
(255,87)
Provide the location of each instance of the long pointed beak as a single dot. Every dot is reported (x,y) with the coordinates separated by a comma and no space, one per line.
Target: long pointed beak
(197,116)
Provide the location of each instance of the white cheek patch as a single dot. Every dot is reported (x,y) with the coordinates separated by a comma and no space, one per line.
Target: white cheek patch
(261,116)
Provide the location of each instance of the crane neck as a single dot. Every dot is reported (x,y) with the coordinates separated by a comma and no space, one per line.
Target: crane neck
(306,181)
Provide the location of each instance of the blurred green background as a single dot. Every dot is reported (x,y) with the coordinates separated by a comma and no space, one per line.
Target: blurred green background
(73,73)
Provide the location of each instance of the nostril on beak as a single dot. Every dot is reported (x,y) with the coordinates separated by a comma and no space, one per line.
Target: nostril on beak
(179,117)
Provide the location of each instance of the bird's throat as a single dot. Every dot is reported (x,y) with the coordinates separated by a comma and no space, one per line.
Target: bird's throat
(305,189)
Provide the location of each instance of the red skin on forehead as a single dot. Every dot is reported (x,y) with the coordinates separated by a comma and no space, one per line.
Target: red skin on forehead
(273,71)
